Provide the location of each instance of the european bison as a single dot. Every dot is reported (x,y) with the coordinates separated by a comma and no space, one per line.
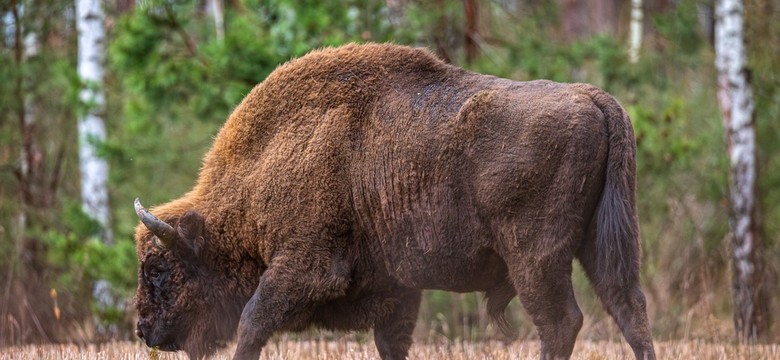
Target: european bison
(355,177)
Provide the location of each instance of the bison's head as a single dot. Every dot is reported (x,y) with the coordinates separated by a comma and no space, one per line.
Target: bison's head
(184,300)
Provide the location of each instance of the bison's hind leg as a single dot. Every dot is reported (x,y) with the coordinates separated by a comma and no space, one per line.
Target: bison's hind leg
(545,290)
(393,332)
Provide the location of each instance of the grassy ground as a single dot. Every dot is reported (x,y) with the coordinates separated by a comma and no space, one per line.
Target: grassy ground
(305,350)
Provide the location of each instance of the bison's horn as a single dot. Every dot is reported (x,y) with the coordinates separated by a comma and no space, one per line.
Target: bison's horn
(159,228)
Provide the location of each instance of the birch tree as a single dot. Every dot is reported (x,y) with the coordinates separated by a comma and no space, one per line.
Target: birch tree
(217,12)
(635,31)
(91,128)
(736,103)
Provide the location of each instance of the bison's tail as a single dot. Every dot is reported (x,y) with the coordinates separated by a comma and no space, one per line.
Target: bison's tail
(617,251)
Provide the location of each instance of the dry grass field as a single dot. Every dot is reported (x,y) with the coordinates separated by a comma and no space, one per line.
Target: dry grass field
(347,349)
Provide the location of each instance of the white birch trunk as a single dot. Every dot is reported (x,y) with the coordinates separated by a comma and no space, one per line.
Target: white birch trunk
(635,31)
(219,17)
(91,129)
(30,49)
(736,103)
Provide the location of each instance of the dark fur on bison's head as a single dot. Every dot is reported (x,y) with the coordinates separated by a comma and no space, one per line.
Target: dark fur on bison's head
(186,298)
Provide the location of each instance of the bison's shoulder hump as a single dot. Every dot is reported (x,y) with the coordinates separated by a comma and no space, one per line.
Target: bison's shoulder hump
(358,60)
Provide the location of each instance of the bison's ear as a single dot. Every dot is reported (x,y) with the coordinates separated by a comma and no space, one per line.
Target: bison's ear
(192,232)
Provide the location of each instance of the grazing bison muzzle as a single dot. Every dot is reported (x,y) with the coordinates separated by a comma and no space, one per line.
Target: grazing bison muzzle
(355,177)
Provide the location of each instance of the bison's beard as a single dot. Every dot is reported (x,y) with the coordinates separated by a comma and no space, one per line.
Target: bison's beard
(200,350)
(202,343)
(209,334)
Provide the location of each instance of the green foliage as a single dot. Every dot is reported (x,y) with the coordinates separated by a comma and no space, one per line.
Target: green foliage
(679,35)
(163,56)
(78,256)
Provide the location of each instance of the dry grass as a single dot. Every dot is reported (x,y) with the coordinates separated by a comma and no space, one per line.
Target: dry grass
(345,349)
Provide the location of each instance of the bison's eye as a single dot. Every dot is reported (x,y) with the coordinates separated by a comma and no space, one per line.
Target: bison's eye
(157,277)
(155,273)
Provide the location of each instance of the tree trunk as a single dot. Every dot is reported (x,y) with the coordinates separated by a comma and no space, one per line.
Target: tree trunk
(635,31)
(23,318)
(440,37)
(217,12)
(471,33)
(91,129)
(735,98)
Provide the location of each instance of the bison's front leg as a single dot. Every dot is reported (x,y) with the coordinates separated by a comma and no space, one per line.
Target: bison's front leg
(287,292)
(393,332)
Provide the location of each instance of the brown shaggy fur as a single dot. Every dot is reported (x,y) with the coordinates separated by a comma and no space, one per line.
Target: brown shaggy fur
(354,177)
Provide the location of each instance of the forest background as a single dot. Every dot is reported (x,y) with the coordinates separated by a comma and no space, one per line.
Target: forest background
(174,70)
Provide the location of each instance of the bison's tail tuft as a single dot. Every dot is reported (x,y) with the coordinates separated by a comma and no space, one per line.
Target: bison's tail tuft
(617,228)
